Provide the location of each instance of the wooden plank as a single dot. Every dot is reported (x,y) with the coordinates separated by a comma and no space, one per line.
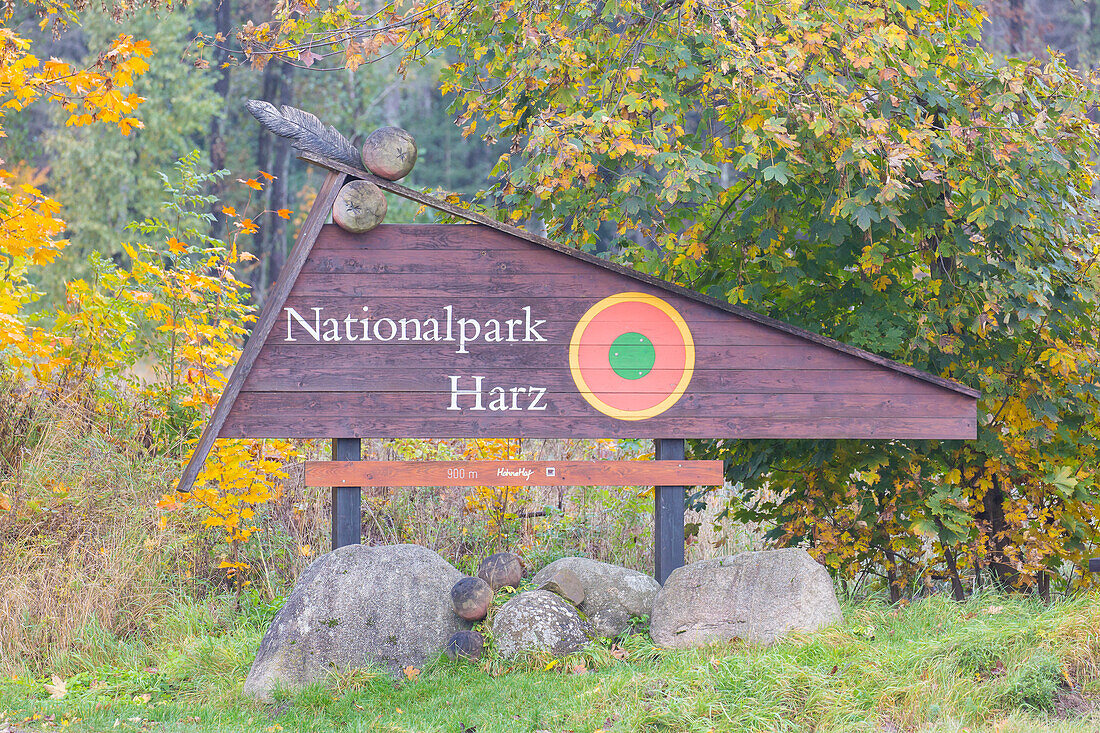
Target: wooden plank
(307,424)
(322,208)
(346,508)
(329,372)
(443,356)
(668,513)
(513,473)
(499,406)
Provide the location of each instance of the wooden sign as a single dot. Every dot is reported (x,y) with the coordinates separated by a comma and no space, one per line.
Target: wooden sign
(451,331)
(513,473)
(486,330)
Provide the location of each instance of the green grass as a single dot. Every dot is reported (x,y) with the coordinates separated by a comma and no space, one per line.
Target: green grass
(991,664)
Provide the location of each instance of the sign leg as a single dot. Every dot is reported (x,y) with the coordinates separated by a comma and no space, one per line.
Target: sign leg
(668,514)
(346,500)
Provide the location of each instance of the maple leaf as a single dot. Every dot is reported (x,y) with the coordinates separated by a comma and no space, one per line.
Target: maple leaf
(56,688)
(411,672)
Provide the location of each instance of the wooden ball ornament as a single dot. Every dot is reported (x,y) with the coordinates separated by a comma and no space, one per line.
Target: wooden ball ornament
(389,152)
(359,207)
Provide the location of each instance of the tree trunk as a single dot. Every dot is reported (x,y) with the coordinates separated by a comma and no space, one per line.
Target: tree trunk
(1042,585)
(892,575)
(1015,27)
(996,528)
(956,582)
(217,145)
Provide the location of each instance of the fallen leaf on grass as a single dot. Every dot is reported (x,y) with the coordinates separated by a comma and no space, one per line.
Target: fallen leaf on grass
(411,672)
(994,610)
(57,688)
(578,668)
(618,652)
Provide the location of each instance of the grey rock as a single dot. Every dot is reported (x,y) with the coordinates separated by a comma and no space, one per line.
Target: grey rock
(358,605)
(501,569)
(538,620)
(465,645)
(566,584)
(471,598)
(753,596)
(612,594)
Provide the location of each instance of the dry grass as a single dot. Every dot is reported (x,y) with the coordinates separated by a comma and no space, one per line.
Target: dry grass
(81,548)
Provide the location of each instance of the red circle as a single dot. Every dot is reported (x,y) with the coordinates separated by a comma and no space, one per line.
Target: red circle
(670,354)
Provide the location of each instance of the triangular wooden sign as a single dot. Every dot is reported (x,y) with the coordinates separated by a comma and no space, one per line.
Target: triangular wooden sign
(484,330)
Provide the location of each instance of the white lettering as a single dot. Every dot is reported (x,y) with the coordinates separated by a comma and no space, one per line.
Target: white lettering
(333,332)
(463,337)
(315,332)
(531,328)
(393,329)
(456,393)
(536,393)
(404,325)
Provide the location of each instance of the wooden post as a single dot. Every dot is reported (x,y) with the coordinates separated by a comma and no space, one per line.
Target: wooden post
(668,514)
(346,500)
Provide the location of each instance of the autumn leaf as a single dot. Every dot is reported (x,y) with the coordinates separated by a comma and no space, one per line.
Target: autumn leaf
(284,213)
(411,673)
(56,688)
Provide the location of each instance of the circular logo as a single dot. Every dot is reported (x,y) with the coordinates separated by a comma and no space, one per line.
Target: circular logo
(632,356)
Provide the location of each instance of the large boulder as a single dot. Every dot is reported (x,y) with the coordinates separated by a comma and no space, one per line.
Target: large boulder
(539,621)
(753,596)
(354,606)
(612,594)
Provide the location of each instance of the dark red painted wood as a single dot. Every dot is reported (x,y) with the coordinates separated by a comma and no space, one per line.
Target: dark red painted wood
(751,379)
(512,473)
(282,372)
(305,423)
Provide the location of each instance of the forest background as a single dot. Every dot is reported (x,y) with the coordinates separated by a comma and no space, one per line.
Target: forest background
(121,310)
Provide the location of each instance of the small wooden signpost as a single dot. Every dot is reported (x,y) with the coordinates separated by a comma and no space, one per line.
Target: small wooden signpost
(484,330)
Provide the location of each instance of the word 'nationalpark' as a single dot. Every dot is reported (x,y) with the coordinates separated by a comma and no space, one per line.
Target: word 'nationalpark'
(355,327)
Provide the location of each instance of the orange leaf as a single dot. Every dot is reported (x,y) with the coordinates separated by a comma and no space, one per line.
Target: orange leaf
(267,176)
(229,211)
(285,213)
(253,183)
(411,672)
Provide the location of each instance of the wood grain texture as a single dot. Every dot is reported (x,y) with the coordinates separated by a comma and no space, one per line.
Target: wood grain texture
(272,307)
(353,354)
(513,473)
(274,415)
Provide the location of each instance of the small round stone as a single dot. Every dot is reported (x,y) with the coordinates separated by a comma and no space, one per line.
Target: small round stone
(471,598)
(389,152)
(359,207)
(465,645)
(501,569)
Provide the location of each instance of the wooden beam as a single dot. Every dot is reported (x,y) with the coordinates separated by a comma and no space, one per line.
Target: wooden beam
(318,215)
(347,501)
(668,512)
(513,473)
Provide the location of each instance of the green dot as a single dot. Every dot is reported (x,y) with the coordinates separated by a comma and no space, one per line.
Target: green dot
(631,356)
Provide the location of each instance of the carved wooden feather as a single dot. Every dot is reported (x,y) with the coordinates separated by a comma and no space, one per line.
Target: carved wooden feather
(308,133)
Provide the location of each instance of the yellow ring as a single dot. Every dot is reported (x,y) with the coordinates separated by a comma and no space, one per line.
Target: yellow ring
(574,356)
